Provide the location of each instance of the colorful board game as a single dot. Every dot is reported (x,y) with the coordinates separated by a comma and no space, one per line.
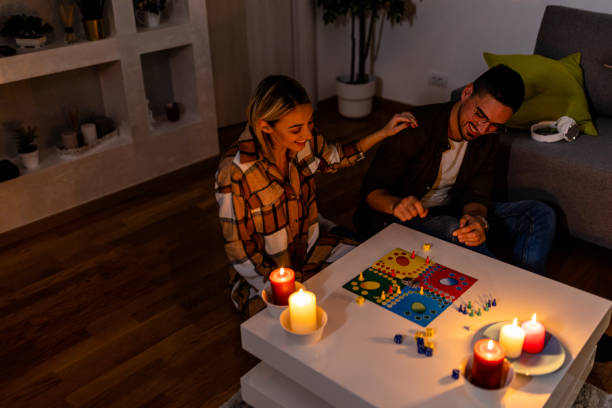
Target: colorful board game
(411,286)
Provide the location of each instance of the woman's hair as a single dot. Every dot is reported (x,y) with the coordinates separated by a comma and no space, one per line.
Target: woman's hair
(275,96)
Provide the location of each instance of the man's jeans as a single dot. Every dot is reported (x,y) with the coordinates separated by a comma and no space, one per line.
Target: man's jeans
(530,224)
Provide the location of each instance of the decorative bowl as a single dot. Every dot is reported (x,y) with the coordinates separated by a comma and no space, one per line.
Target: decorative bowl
(266,295)
(305,338)
(488,397)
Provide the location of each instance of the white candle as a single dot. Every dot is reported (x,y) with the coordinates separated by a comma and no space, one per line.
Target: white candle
(511,337)
(303,311)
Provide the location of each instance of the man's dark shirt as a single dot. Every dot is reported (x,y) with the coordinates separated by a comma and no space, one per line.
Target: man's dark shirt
(408,164)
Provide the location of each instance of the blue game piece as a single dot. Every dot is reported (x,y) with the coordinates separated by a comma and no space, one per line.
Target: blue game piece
(398,339)
(420,341)
(421,349)
(494,302)
(465,311)
(428,352)
(456,373)
(489,303)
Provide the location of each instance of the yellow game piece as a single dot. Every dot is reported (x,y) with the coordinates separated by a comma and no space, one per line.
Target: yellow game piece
(426,247)
(418,334)
(361,276)
(421,292)
(382,295)
(399,291)
(430,344)
(360,300)
(429,332)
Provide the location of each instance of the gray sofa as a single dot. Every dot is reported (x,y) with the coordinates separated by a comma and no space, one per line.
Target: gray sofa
(576,178)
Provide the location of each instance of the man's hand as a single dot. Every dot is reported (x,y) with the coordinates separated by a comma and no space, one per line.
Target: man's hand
(408,208)
(471,231)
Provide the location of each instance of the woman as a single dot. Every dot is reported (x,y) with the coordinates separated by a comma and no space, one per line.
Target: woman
(266,190)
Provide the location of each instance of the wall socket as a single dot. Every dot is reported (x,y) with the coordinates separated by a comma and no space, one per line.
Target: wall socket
(439,79)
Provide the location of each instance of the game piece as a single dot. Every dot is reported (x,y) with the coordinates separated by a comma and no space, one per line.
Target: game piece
(494,302)
(418,335)
(421,349)
(382,295)
(478,312)
(460,309)
(361,277)
(393,274)
(468,328)
(489,303)
(427,260)
(465,310)
(486,308)
(429,332)
(428,352)
(469,304)
(413,255)
(398,338)
(455,373)
(472,313)
(439,290)
(430,344)
(421,341)
(421,292)
(360,300)
(426,247)
(390,289)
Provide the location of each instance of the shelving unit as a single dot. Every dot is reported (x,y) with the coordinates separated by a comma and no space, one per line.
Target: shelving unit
(113,77)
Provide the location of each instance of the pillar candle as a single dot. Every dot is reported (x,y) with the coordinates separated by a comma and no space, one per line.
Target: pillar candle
(511,338)
(534,335)
(487,364)
(282,281)
(303,311)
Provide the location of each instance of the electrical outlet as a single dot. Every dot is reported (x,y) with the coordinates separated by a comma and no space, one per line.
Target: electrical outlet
(439,79)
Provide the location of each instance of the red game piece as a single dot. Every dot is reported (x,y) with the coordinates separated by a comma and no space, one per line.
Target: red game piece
(413,254)
(392,273)
(390,288)
(427,260)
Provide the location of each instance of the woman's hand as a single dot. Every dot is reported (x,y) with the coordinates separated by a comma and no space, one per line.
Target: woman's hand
(398,122)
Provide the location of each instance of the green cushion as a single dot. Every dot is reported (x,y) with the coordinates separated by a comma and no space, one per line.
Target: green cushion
(553,88)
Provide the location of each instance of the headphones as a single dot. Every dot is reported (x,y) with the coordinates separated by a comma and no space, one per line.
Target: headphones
(548,131)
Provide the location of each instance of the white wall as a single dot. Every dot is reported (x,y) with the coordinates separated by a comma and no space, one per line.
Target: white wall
(447,36)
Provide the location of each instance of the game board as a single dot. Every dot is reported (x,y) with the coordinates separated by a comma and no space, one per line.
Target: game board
(414,289)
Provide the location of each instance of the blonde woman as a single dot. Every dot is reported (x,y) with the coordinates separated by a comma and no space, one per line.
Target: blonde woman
(266,190)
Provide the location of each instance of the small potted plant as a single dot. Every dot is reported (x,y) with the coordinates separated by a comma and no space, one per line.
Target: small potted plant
(148,12)
(92,12)
(28,151)
(28,31)
(356,90)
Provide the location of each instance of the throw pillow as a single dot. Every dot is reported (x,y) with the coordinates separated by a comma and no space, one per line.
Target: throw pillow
(553,88)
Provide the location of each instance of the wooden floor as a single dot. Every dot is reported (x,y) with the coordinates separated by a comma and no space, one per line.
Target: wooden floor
(127,305)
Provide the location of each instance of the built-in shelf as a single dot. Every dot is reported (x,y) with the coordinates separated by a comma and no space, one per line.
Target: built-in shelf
(163,127)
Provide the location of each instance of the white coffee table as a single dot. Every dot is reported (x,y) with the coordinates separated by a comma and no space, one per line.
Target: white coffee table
(357,364)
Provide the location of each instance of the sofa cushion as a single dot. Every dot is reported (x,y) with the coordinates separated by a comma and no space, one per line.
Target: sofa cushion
(576,177)
(553,88)
(564,31)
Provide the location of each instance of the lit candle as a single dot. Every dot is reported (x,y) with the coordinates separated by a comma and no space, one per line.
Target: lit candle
(511,338)
(283,285)
(303,311)
(534,335)
(488,362)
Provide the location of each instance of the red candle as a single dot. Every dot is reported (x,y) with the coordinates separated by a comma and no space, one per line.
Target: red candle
(283,285)
(534,335)
(488,363)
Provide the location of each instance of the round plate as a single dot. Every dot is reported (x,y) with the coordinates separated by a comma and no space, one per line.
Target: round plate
(545,362)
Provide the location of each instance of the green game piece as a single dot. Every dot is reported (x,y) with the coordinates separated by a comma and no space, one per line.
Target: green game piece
(478,312)
(471,313)
(486,308)
(418,307)
(469,304)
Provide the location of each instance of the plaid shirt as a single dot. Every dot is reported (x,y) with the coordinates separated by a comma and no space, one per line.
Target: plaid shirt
(268,221)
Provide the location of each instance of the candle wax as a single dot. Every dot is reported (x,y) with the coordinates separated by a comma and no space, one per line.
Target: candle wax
(487,364)
(282,281)
(511,338)
(303,311)
(535,335)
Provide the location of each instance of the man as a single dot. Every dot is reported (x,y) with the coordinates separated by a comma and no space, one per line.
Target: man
(438,178)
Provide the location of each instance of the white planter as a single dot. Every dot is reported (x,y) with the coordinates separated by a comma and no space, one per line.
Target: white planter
(31,42)
(355,100)
(152,19)
(29,160)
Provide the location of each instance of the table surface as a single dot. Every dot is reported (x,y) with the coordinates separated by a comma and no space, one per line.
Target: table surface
(356,363)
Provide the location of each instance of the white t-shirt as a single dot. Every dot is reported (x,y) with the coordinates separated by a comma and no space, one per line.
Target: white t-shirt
(449,168)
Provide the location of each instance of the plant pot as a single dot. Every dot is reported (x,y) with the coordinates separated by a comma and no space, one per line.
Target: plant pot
(94,29)
(355,100)
(29,160)
(152,20)
(31,42)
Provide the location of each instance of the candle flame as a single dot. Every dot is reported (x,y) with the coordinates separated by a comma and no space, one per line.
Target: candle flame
(490,345)
(515,322)
(301,292)
(282,271)
(533,318)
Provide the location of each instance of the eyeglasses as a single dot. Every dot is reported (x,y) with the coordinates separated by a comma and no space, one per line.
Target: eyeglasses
(492,128)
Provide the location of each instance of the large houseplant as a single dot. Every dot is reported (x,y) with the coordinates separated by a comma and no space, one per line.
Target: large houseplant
(355,90)
(28,31)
